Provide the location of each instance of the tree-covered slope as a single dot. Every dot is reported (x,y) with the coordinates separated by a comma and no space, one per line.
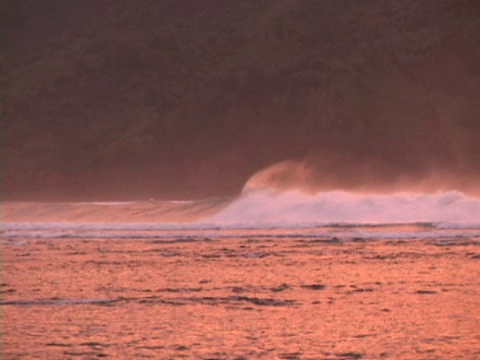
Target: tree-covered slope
(119,99)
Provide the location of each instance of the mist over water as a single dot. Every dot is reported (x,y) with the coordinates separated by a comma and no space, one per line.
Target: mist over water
(294,192)
(288,199)
(331,172)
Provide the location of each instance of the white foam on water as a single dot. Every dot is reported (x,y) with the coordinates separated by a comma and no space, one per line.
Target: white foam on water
(105,203)
(270,213)
(268,206)
(287,233)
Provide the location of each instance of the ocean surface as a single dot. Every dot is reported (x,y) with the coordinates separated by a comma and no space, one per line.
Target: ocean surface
(273,275)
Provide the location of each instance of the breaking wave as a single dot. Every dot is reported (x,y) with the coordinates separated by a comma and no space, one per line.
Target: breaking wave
(269,213)
(269,207)
(280,201)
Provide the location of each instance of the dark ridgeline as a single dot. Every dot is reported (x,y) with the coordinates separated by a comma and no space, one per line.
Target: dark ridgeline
(176,99)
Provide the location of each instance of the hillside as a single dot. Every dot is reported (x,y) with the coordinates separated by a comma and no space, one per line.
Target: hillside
(187,99)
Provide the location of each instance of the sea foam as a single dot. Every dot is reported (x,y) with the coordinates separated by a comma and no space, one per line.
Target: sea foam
(269,213)
(290,207)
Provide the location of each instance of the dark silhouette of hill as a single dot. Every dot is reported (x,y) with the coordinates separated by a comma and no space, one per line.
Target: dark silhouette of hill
(120,99)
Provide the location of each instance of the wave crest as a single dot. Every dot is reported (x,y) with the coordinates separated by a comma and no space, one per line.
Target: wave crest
(272,206)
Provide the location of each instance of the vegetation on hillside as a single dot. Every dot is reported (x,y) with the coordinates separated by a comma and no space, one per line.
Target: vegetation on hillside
(189,98)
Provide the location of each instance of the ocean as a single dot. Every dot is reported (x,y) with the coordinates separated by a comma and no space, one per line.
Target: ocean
(273,275)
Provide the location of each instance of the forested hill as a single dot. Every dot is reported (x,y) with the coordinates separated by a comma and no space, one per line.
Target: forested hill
(121,99)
